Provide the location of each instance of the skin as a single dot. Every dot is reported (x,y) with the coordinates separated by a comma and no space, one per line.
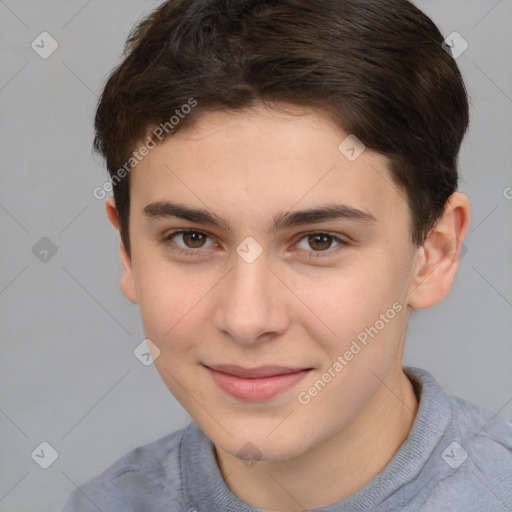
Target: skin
(287,307)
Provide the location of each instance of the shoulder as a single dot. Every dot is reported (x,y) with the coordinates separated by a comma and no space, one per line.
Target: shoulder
(476,456)
(487,438)
(147,476)
(469,461)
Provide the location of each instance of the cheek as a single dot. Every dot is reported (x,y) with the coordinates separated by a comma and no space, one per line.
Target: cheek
(359,313)
(350,298)
(166,303)
(160,309)
(170,305)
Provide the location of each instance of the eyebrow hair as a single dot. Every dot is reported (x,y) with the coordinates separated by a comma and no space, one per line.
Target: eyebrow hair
(333,211)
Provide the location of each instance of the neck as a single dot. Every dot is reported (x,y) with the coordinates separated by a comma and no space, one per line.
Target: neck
(336,468)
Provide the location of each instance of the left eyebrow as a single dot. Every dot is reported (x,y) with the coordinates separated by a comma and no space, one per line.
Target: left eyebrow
(283,220)
(324,213)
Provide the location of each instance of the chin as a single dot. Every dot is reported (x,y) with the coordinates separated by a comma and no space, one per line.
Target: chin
(258,445)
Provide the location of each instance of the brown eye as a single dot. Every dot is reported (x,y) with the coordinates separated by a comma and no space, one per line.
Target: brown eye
(188,241)
(320,241)
(193,239)
(314,244)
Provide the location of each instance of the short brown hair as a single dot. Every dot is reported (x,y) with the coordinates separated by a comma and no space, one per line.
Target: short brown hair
(375,67)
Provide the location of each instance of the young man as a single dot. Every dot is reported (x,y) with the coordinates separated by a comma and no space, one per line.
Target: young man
(284,177)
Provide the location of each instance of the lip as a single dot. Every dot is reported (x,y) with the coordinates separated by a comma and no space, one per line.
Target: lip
(255,384)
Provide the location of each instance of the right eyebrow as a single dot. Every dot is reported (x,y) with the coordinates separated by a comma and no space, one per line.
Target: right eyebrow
(166,209)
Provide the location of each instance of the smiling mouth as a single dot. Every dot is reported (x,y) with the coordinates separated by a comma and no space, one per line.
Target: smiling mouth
(255,384)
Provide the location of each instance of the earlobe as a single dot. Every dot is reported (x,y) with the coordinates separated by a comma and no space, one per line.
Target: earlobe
(127,283)
(438,258)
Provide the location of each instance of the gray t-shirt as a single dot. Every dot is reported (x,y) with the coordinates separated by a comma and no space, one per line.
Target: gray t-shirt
(457,457)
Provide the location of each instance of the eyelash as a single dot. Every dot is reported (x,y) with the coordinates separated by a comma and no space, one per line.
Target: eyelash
(311,254)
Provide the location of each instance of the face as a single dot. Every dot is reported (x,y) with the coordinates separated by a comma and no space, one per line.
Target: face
(271,325)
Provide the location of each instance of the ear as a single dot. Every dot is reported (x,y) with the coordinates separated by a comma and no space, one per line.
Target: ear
(127,279)
(438,258)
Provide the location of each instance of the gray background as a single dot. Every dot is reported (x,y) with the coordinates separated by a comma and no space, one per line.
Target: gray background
(68,375)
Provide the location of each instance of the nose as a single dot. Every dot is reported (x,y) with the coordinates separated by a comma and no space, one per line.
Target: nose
(250,305)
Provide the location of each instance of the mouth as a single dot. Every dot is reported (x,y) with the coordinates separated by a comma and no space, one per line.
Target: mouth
(255,384)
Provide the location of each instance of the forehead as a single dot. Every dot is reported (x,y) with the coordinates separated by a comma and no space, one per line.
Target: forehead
(261,161)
